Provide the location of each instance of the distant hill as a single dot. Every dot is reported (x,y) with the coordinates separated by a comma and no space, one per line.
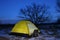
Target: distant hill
(15,21)
(8,21)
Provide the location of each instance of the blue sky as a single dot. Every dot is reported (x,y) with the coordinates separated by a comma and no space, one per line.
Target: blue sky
(9,9)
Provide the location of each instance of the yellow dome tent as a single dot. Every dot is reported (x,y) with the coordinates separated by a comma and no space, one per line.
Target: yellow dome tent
(24,27)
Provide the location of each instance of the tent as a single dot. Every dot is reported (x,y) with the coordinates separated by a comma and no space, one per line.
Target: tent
(24,27)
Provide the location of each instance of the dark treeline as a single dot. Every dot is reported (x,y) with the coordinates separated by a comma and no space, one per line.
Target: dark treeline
(40,26)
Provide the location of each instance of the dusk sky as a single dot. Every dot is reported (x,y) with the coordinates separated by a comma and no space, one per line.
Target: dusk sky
(9,9)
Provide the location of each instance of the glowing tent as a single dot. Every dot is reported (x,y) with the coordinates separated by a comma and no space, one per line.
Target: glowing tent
(24,27)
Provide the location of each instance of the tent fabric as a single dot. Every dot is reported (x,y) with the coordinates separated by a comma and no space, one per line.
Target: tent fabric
(24,27)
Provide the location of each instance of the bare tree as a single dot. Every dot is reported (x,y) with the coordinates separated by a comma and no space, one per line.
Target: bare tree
(35,13)
(58,5)
(58,9)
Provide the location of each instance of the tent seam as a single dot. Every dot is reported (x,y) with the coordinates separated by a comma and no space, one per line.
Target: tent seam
(27,28)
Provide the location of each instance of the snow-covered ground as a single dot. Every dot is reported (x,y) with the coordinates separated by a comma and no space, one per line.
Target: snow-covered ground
(40,37)
(43,36)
